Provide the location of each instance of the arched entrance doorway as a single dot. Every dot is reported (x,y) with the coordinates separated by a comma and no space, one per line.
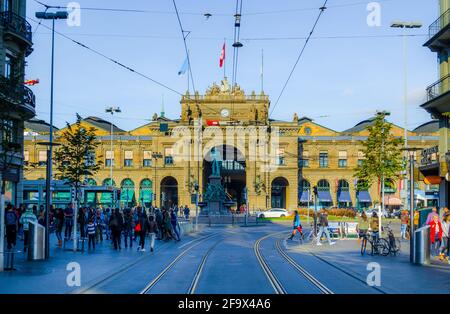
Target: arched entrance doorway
(232,171)
(127,193)
(169,192)
(146,192)
(278,192)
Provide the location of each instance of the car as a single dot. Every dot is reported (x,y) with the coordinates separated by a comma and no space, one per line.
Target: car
(273,213)
(370,211)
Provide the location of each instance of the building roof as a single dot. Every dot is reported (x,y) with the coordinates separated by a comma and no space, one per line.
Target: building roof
(428,127)
(361,126)
(102,124)
(38,126)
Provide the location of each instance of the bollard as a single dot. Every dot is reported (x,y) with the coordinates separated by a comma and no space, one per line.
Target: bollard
(421,251)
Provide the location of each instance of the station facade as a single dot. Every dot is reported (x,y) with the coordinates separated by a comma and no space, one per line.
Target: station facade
(151,167)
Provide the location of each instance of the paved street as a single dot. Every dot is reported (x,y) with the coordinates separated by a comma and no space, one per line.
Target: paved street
(228,259)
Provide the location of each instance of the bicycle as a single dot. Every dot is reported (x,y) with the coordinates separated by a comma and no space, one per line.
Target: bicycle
(378,245)
(394,243)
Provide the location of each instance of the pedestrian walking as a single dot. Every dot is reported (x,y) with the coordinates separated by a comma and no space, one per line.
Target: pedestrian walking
(82,222)
(434,212)
(404,218)
(445,245)
(59,224)
(128,227)
(174,223)
(160,222)
(68,221)
(323,224)
(25,220)
(435,235)
(167,225)
(152,230)
(91,229)
(11,223)
(142,227)
(297,226)
(186,212)
(116,227)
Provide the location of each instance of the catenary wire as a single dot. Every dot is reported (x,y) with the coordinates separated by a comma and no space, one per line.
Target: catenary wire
(321,10)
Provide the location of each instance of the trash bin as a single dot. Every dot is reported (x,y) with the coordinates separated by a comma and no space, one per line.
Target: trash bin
(36,250)
(422,246)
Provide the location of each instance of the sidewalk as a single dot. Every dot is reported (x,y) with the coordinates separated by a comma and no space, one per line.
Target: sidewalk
(50,276)
(398,275)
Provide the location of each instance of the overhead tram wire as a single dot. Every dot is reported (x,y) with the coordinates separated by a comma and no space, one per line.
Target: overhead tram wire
(213,14)
(322,9)
(185,46)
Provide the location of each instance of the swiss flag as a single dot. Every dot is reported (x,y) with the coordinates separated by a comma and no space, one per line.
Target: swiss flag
(212,122)
(222,56)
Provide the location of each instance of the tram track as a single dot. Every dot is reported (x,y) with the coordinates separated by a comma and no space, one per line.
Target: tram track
(111,276)
(192,287)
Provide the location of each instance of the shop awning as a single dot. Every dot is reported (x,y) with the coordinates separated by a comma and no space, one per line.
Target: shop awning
(304,196)
(392,201)
(126,195)
(324,196)
(61,197)
(90,198)
(344,196)
(364,197)
(146,196)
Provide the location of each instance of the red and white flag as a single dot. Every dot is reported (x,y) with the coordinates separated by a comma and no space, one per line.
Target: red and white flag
(222,56)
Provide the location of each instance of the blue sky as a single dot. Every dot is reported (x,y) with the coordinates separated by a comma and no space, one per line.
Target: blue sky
(338,82)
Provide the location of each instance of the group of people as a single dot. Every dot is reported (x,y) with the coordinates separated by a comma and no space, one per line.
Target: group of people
(439,232)
(322,223)
(93,224)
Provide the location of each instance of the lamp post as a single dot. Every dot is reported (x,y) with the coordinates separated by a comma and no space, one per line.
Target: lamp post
(411,152)
(381,209)
(155,156)
(48,193)
(405,25)
(112,110)
(60,15)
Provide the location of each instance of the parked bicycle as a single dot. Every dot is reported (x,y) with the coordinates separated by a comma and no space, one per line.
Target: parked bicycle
(394,243)
(378,245)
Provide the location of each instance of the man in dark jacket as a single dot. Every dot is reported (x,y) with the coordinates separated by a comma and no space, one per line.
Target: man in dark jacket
(128,227)
(143,224)
(11,222)
(323,223)
(116,226)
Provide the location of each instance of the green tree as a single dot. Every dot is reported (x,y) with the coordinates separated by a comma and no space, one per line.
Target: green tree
(383,156)
(75,158)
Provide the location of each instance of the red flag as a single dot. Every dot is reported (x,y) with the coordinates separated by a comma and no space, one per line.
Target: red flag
(222,56)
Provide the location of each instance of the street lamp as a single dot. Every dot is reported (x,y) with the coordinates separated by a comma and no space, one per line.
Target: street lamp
(155,156)
(48,193)
(60,15)
(405,25)
(381,210)
(112,110)
(411,152)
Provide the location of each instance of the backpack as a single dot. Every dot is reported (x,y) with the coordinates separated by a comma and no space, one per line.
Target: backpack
(11,218)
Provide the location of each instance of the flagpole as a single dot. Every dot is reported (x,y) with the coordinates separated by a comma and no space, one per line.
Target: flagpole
(224,62)
(262,70)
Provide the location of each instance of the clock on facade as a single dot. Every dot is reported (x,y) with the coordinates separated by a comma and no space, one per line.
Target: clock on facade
(224,113)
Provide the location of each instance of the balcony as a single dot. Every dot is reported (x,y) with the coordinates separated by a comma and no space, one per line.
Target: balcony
(15,24)
(17,94)
(439,33)
(438,97)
